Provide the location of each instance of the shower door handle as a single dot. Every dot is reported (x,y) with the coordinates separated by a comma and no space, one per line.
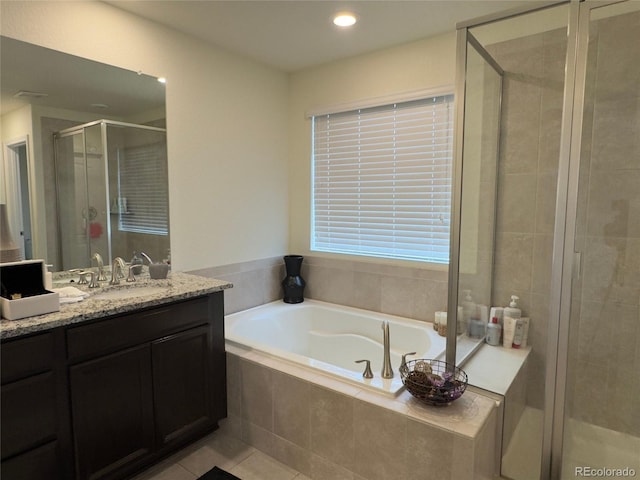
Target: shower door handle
(577,265)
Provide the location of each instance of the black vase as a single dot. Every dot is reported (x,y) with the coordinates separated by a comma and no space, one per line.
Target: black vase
(293,284)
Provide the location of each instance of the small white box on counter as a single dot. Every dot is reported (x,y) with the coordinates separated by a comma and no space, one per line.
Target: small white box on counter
(23,293)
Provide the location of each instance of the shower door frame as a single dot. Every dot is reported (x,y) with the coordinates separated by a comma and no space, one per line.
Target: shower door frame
(464,39)
(81,129)
(565,259)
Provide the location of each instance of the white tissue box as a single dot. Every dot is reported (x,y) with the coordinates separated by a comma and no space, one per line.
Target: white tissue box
(26,279)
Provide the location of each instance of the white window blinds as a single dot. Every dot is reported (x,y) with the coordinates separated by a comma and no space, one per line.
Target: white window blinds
(142,178)
(382,180)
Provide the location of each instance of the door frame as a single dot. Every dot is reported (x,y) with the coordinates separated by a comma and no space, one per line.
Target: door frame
(13,186)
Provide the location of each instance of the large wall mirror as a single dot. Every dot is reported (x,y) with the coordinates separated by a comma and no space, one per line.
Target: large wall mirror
(84,162)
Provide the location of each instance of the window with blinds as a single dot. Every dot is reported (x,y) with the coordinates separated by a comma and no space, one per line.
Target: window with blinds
(382,180)
(142,178)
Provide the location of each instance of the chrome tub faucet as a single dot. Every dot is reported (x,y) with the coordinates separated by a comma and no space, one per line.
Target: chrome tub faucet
(387,371)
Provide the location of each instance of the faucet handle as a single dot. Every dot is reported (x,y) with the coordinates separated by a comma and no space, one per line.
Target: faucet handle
(367,369)
(403,363)
(131,277)
(94,281)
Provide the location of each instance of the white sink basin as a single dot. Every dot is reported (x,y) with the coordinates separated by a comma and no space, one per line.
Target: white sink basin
(125,293)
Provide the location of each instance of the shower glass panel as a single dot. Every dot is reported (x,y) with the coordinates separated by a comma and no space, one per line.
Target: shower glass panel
(483,95)
(112,188)
(82,196)
(97,195)
(71,177)
(602,409)
(139,192)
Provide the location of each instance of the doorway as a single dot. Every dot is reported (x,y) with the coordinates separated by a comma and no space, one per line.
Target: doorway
(16,174)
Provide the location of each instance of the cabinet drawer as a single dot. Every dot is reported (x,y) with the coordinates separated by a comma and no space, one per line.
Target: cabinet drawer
(41,463)
(28,413)
(127,330)
(26,356)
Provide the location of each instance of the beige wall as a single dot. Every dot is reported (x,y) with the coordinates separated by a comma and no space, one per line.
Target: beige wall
(227,128)
(14,126)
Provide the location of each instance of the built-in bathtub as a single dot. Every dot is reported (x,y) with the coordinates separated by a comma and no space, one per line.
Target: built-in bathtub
(294,393)
(330,338)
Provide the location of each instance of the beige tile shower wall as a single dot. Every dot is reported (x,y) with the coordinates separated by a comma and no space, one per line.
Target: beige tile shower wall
(527,177)
(327,434)
(397,290)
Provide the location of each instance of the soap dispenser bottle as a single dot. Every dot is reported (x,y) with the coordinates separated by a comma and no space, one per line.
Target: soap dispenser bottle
(512,315)
(512,310)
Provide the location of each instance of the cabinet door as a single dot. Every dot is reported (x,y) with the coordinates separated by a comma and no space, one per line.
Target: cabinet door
(112,412)
(42,463)
(28,413)
(181,384)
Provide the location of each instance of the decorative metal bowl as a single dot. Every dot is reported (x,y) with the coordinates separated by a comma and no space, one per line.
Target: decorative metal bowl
(433,382)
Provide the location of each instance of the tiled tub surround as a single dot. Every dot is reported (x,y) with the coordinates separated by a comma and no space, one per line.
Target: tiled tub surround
(326,428)
(408,291)
(177,286)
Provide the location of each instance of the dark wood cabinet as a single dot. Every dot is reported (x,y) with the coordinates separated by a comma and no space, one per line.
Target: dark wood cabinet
(112,410)
(35,432)
(111,396)
(181,384)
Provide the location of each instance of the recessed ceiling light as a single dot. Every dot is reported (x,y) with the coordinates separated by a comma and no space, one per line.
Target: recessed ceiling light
(99,106)
(344,19)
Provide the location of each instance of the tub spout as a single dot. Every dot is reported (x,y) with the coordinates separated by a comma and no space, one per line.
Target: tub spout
(387,371)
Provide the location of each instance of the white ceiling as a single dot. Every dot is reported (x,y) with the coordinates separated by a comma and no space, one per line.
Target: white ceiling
(296,34)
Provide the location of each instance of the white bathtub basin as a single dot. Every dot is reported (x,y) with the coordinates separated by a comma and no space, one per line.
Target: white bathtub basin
(330,338)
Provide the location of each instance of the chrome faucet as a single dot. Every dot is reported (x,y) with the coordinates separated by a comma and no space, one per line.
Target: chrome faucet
(387,371)
(94,280)
(147,257)
(117,271)
(98,258)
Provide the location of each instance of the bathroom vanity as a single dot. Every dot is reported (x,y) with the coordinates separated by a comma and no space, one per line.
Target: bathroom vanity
(113,383)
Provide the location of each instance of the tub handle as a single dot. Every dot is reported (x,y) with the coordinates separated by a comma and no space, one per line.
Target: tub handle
(403,363)
(367,369)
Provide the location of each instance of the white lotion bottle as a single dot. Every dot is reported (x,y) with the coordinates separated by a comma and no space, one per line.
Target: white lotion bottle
(494,331)
(511,316)
(525,334)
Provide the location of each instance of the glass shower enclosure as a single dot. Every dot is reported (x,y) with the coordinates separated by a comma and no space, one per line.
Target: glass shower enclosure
(112,192)
(547,207)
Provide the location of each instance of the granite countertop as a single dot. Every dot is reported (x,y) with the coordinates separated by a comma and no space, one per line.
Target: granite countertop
(177,286)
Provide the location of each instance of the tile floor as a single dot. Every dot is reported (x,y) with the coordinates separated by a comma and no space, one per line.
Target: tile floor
(226,452)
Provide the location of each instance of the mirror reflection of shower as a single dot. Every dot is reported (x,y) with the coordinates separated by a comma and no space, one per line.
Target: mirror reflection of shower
(112,192)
